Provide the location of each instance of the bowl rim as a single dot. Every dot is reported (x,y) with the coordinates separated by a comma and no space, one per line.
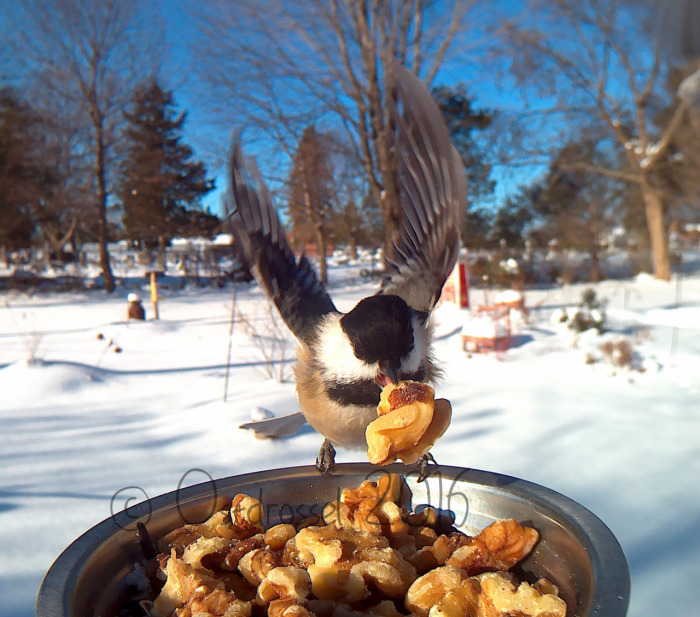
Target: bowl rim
(610,595)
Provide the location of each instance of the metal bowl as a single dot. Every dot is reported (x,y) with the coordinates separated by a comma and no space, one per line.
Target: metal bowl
(576,551)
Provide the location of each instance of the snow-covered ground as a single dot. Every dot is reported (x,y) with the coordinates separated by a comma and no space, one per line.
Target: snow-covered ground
(81,422)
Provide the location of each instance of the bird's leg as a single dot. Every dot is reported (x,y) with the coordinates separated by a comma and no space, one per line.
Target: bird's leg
(423,464)
(326,457)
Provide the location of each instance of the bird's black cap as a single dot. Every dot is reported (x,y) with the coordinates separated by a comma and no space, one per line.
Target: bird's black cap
(379,328)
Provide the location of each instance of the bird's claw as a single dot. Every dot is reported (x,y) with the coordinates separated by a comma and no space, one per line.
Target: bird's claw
(423,465)
(325,462)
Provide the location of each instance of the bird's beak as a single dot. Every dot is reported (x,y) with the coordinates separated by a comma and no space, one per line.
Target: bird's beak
(390,372)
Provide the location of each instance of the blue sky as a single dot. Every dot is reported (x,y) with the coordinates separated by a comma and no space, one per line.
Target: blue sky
(488,82)
(210,138)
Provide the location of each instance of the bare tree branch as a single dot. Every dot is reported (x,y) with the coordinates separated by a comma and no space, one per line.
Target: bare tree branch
(330,60)
(593,50)
(604,171)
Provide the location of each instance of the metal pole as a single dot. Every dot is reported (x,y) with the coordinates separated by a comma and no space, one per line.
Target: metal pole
(230,341)
(674,332)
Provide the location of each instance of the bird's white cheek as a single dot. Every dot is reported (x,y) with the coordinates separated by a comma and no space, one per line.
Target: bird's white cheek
(336,356)
(413,361)
(416,357)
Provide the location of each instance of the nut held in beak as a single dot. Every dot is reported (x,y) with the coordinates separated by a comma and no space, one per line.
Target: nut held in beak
(410,422)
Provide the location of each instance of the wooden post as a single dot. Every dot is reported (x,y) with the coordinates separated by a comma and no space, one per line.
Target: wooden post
(154,294)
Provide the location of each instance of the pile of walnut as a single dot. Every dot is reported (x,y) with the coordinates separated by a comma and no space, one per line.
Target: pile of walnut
(410,422)
(366,557)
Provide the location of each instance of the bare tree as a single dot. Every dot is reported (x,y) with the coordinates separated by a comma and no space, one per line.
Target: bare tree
(89,55)
(65,198)
(288,63)
(592,59)
(679,168)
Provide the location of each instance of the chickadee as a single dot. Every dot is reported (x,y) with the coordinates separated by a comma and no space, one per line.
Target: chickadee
(344,360)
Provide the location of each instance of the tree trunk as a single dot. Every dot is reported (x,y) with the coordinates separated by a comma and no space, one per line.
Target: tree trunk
(392,221)
(654,210)
(595,264)
(57,241)
(47,255)
(100,173)
(353,248)
(593,241)
(161,259)
(389,194)
(102,229)
(316,219)
(321,250)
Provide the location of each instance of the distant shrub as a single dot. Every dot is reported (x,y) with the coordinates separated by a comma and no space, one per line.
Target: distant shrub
(641,333)
(30,336)
(491,271)
(620,354)
(589,314)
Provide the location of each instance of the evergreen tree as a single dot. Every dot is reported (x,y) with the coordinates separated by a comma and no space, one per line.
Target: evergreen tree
(464,121)
(356,216)
(309,195)
(161,184)
(574,206)
(20,170)
(476,227)
(512,219)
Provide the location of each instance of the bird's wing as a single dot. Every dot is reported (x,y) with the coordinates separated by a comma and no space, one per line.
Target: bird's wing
(432,192)
(261,242)
(284,426)
(676,25)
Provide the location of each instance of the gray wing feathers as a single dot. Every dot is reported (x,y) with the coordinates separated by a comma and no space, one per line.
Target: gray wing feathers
(432,193)
(262,243)
(677,27)
(252,203)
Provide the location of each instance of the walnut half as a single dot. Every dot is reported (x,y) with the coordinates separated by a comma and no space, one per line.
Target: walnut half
(498,547)
(500,597)
(410,422)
